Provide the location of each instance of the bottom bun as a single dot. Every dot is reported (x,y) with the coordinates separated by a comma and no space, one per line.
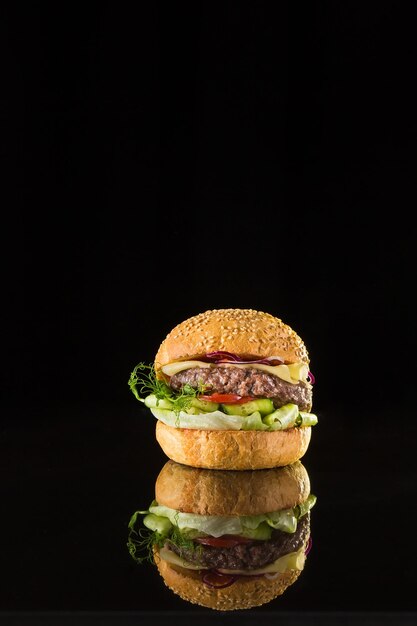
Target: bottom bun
(231,492)
(233,449)
(246,592)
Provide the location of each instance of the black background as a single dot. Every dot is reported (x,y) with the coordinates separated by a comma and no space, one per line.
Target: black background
(163,160)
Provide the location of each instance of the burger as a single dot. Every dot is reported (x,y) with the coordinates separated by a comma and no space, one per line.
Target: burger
(229,539)
(230,389)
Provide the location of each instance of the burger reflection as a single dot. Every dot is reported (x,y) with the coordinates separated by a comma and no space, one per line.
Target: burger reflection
(226,540)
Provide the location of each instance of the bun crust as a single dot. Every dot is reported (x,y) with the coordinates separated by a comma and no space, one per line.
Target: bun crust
(233,449)
(218,492)
(246,332)
(245,593)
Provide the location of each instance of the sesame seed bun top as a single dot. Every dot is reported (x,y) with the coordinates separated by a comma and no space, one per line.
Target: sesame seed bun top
(245,593)
(248,333)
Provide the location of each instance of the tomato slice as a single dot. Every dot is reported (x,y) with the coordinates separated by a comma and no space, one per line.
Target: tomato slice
(226,541)
(227,398)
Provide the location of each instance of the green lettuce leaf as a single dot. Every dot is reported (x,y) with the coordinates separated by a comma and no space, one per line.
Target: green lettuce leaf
(216,525)
(287,416)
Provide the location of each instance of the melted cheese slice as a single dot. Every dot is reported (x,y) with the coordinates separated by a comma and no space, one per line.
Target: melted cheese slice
(293,373)
(291,561)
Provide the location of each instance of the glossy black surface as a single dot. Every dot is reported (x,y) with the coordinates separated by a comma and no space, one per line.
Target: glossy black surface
(164,161)
(73,479)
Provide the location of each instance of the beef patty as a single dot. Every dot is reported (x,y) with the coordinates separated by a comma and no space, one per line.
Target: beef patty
(245,382)
(253,555)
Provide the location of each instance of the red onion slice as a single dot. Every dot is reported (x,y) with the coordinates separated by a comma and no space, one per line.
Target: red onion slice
(247,574)
(216,580)
(308,546)
(221,356)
